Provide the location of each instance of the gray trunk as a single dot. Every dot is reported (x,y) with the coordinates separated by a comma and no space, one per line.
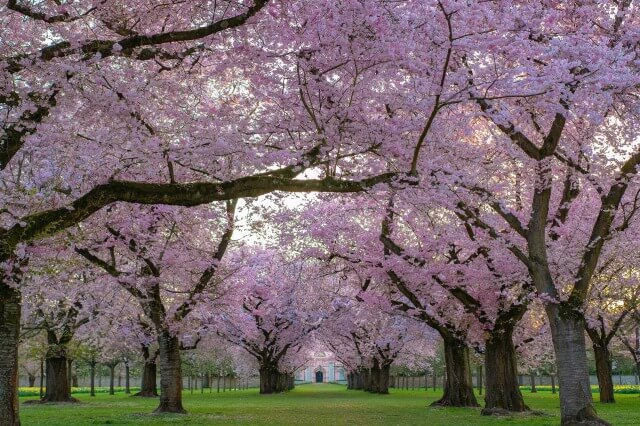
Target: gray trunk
(576,402)
(170,375)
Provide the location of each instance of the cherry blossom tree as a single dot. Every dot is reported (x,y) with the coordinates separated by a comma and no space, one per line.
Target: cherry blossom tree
(270,309)
(168,263)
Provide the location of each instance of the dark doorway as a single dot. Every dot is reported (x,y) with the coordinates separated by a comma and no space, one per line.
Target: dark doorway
(319,377)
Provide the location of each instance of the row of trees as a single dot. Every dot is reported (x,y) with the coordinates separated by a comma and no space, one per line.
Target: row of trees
(495,143)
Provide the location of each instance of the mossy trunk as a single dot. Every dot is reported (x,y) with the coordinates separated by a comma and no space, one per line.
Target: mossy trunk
(10,309)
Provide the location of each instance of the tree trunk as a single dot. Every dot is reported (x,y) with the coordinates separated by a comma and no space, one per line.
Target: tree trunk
(576,402)
(553,384)
(271,380)
(127,378)
(532,379)
(479,379)
(149,386)
(383,383)
(359,380)
(366,379)
(41,378)
(32,380)
(604,372)
(206,381)
(70,372)
(92,378)
(170,374)
(374,377)
(112,379)
(458,389)
(9,334)
(57,389)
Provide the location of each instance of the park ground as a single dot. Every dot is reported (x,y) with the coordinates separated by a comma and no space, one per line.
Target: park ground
(311,405)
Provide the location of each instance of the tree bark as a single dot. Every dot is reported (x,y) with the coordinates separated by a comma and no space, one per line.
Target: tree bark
(170,374)
(458,389)
(92,378)
(149,386)
(70,372)
(374,377)
(366,379)
(532,380)
(604,372)
(385,373)
(271,380)
(32,379)
(10,309)
(576,402)
(127,378)
(112,378)
(57,389)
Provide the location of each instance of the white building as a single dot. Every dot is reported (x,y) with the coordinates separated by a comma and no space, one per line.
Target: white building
(322,367)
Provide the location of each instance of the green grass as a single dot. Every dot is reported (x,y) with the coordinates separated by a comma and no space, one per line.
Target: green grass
(306,405)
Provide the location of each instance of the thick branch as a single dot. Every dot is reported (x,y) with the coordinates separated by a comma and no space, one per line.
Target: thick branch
(50,222)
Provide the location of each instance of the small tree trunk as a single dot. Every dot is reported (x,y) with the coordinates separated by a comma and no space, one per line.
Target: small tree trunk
(553,384)
(127,378)
(92,378)
(148,386)
(10,309)
(41,378)
(383,383)
(576,402)
(604,372)
(218,384)
(32,380)
(532,378)
(458,389)
(479,379)
(112,378)
(170,374)
(206,380)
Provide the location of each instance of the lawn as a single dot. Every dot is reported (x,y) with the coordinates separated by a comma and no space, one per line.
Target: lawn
(307,404)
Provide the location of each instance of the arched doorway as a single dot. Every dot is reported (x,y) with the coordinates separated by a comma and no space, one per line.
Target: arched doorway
(319,377)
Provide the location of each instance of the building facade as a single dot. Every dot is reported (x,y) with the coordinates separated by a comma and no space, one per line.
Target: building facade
(322,367)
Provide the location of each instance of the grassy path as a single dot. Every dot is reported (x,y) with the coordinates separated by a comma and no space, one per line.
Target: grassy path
(307,405)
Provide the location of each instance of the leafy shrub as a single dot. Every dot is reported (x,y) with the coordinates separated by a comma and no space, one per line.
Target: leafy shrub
(82,390)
